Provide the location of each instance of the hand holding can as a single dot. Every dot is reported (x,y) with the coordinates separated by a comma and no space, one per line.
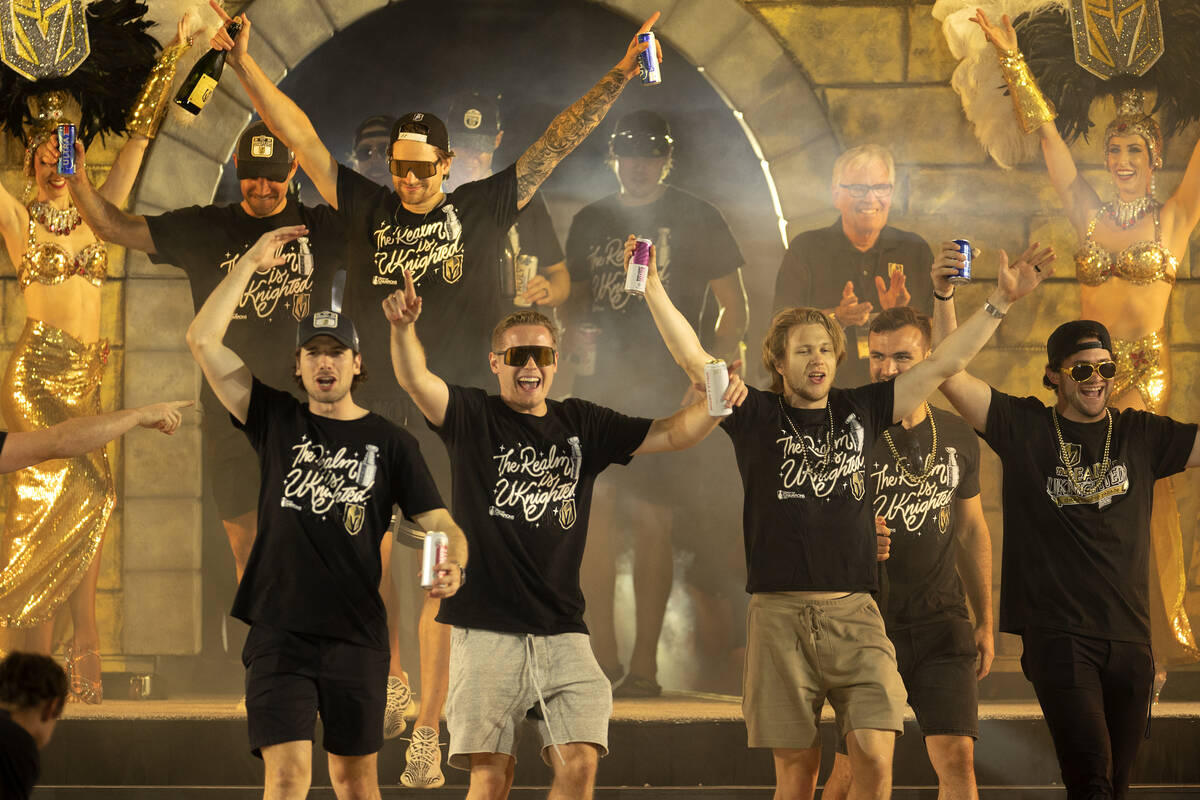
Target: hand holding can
(433,552)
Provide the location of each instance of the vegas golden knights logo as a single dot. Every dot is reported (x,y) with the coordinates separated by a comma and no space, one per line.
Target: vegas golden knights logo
(858,484)
(1072,454)
(43,38)
(300,306)
(943,518)
(352,519)
(566,512)
(1116,37)
(452,269)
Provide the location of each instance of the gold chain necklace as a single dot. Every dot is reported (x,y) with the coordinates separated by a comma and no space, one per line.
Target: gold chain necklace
(800,439)
(1062,450)
(930,460)
(59,221)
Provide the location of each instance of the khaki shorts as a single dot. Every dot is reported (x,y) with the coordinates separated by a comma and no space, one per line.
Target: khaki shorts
(800,651)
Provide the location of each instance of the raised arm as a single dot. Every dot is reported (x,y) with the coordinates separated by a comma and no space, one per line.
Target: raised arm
(689,426)
(227,374)
(1035,114)
(1184,205)
(428,391)
(958,348)
(79,435)
(282,115)
(105,219)
(574,124)
(452,570)
(677,332)
(974,560)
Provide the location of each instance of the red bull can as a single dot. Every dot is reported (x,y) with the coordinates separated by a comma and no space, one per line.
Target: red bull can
(648,61)
(66,148)
(639,267)
(716,382)
(434,551)
(964,272)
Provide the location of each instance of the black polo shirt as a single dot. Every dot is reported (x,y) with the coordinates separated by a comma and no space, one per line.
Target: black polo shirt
(818,263)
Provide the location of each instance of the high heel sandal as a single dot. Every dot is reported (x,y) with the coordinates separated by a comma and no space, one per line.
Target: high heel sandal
(83,690)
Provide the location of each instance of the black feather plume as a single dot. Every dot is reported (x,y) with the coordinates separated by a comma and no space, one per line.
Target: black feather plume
(1045,39)
(105,85)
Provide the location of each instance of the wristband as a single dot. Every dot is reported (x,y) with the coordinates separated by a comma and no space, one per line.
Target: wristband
(945,298)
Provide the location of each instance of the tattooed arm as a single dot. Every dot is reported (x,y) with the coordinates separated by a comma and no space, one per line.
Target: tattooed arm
(574,124)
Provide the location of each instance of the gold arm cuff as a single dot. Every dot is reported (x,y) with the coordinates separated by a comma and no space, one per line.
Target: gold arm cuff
(1032,108)
(151,104)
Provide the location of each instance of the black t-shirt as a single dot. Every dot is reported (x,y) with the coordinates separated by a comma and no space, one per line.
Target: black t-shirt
(818,263)
(808,523)
(1076,555)
(693,246)
(19,759)
(205,241)
(454,263)
(522,493)
(328,487)
(533,235)
(923,581)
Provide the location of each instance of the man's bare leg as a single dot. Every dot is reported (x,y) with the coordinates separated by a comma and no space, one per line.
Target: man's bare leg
(423,758)
(653,572)
(837,785)
(870,763)
(796,772)
(287,770)
(354,777)
(489,776)
(598,577)
(953,758)
(574,766)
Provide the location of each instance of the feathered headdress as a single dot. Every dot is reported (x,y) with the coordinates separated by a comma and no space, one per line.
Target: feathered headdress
(1045,38)
(98,95)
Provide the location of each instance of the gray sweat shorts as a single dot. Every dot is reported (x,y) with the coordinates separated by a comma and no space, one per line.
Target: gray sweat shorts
(499,679)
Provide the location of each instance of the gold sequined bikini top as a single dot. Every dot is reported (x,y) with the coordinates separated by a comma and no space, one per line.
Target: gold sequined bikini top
(46,262)
(1141,263)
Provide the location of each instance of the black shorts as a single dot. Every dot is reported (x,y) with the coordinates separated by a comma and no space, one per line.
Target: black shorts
(290,677)
(232,467)
(937,662)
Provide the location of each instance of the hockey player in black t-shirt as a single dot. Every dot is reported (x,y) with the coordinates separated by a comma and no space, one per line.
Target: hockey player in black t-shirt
(331,472)
(924,472)
(523,469)
(1075,572)
(802,448)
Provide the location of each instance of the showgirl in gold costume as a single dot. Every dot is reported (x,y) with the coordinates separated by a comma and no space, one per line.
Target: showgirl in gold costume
(1126,269)
(58,510)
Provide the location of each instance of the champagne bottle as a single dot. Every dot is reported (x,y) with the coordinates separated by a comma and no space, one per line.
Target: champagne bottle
(201,82)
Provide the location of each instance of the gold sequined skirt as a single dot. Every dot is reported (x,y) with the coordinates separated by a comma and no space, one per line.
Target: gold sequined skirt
(1142,365)
(57,511)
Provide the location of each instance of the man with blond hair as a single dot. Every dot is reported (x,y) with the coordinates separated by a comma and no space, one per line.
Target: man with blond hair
(859,264)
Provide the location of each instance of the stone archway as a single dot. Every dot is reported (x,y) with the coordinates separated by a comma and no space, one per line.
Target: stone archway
(785,123)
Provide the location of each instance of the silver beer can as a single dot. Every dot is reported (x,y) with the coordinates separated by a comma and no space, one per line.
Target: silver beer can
(433,552)
(524,268)
(716,381)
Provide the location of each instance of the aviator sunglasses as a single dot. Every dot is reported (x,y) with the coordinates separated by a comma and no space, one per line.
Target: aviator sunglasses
(519,356)
(419,169)
(1081,371)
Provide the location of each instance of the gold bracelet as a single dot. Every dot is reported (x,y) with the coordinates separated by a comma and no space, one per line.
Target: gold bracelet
(1032,108)
(151,104)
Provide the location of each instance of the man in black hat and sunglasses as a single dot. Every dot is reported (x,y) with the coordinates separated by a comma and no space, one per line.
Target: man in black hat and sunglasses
(1077,495)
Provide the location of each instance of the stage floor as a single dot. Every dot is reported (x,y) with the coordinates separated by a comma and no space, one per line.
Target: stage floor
(670,707)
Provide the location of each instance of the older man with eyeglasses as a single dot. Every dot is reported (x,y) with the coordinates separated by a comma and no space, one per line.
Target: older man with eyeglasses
(859,265)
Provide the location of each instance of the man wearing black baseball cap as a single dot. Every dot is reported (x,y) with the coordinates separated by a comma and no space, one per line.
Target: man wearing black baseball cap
(474,125)
(697,254)
(370,154)
(205,241)
(330,473)
(1077,497)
